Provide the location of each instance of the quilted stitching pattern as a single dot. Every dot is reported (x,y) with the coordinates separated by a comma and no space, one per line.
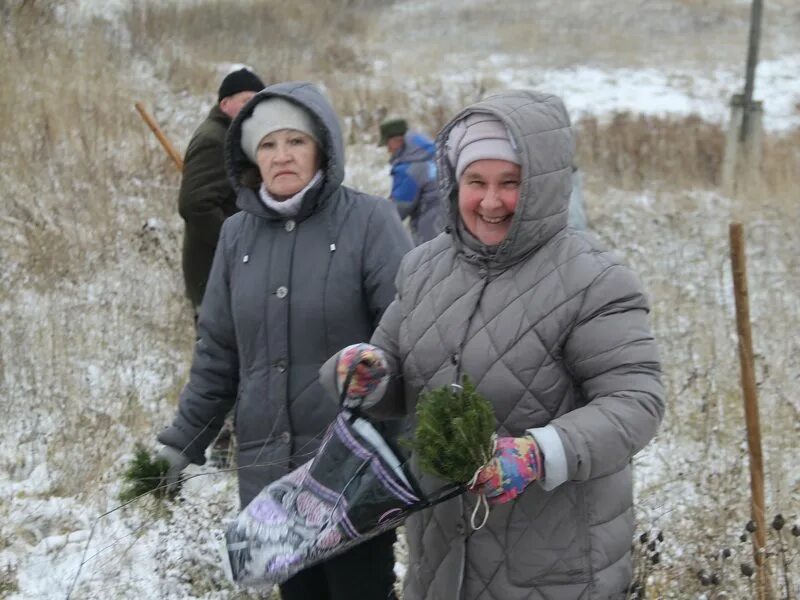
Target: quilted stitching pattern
(504,318)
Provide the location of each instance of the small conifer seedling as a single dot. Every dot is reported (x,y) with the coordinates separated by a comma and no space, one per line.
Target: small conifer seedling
(143,475)
(453,436)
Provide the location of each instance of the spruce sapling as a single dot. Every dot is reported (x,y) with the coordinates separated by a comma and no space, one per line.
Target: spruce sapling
(143,475)
(453,436)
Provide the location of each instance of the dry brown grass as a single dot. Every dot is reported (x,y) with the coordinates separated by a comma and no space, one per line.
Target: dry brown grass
(280,40)
(321,41)
(76,139)
(634,150)
(640,151)
(781,164)
(96,336)
(693,481)
(78,184)
(687,32)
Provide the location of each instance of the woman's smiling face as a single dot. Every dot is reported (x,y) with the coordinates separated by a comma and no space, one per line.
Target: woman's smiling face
(488,192)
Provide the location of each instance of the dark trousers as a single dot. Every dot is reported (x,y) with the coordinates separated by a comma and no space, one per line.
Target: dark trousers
(365,572)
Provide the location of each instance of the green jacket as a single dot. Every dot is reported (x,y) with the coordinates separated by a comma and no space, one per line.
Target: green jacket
(205,200)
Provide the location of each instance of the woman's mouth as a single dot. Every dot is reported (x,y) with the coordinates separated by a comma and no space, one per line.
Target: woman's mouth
(494,220)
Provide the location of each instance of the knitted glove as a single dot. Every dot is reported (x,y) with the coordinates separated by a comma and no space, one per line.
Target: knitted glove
(516,463)
(178,461)
(370,375)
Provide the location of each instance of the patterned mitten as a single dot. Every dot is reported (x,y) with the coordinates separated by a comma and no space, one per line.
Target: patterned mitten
(370,375)
(517,461)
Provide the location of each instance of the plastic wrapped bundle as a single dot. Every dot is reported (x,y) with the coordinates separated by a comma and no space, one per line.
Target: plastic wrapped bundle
(355,488)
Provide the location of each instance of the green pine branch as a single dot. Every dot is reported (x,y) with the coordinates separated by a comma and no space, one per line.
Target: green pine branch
(453,437)
(144,474)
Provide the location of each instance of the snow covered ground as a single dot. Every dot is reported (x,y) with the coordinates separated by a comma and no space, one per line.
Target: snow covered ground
(596,92)
(62,542)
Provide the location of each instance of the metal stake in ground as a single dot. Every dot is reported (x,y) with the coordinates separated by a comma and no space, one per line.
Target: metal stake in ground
(738,263)
(165,143)
(752,61)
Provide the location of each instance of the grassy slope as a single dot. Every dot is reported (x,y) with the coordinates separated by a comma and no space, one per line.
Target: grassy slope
(95,336)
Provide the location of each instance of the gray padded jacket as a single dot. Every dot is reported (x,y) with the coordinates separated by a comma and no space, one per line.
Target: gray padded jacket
(554,331)
(284,294)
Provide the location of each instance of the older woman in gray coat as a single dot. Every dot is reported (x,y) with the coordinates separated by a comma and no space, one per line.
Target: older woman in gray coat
(554,332)
(307,266)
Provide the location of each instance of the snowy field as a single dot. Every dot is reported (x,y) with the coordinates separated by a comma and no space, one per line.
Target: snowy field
(95,340)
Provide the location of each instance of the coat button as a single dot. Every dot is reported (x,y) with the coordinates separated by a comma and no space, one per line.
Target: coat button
(460,528)
(289,225)
(286,437)
(281,366)
(281,292)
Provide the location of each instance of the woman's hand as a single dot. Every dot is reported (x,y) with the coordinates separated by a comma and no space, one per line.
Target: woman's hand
(369,374)
(177,462)
(517,462)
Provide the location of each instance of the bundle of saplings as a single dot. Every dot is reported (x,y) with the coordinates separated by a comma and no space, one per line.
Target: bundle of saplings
(454,433)
(144,474)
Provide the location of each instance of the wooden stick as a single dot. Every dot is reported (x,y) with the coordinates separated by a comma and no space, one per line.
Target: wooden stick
(165,143)
(738,263)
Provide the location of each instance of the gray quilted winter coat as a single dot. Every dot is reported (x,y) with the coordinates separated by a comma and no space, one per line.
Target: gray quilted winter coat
(554,331)
(284,294)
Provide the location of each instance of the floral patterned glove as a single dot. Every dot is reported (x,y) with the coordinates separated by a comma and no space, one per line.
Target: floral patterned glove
(369,378)
(517,462)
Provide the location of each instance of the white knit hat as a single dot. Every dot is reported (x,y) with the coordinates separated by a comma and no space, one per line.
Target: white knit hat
(274,114)
(479,136)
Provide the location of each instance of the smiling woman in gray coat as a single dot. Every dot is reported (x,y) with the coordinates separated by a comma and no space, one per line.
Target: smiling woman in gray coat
(307,266)
(553,330)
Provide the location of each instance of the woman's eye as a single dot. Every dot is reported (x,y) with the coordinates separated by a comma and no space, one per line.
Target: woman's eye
(266,145)
(297,141)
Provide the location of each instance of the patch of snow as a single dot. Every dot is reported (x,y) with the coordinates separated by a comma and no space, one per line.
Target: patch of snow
(400,570)
(110,10)
(590,91)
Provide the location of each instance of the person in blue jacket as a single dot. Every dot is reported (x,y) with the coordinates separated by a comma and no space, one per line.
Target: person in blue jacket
(414,189)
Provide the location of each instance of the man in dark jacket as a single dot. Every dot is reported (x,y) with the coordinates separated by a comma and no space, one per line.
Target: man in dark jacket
(206,197)
(414,190)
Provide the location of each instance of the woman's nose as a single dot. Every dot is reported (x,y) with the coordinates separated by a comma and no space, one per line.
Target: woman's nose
(491,199)
(282,153)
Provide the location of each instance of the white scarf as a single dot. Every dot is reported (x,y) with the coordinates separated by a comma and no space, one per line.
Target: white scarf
(291,206)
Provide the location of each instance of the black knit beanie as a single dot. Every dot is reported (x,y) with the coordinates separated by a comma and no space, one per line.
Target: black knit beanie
(242,80)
